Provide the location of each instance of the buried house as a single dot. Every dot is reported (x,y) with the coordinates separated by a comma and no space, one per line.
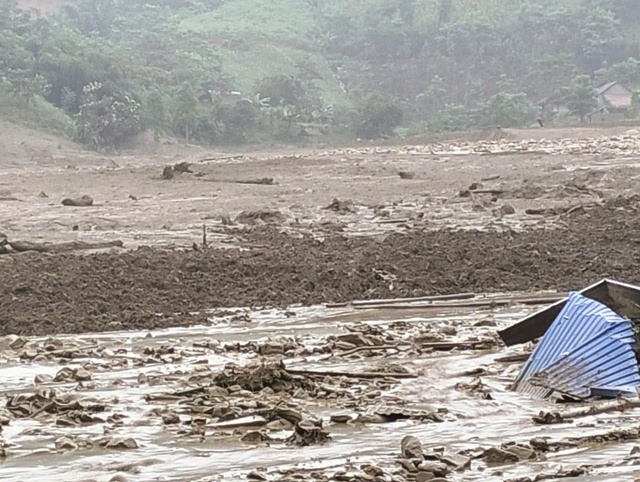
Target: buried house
(588,345)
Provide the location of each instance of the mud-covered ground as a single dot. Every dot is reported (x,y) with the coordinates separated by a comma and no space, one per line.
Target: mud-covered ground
(153,288)
(507,213)
(172,359)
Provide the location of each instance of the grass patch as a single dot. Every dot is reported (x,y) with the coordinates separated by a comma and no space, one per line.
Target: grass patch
(287,20)
(247,67)
(37,114)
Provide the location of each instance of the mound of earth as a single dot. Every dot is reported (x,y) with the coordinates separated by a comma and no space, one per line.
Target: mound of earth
(153,288)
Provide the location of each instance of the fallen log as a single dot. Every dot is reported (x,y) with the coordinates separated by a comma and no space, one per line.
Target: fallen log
(362,303)
(520,357)
(265,181)
(312,373)
(495,192)
(472,304)
(450,345)
(545,418)
(23,246)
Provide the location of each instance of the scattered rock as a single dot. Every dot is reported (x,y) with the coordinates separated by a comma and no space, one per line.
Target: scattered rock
(41,378)
(411,448)
(406,174)
(272,348)
(255,475)
(120,444)
(507,210)
(436,468)
(65,444)
(118,478)
(254,437)
(521,451)
(167,173)
(259,217)
(82,201)
(308,432)
(341,207)
(67,374)
(341,419)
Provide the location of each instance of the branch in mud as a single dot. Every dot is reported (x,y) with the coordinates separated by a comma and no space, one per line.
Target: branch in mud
(24,246)
(315,373)
(374,348)
(547,418)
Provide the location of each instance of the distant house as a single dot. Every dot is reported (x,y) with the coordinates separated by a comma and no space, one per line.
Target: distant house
(614,96)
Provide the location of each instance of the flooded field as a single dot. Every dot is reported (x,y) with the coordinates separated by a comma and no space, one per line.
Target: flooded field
(133,363)
(169,405)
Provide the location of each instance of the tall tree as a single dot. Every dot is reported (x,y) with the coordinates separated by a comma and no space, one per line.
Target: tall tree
(582,97)
(185,115)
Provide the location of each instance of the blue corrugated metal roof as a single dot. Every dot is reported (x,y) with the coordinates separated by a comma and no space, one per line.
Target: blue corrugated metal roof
(587,348)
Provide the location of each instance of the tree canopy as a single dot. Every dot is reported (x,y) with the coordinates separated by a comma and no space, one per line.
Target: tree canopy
(234,71)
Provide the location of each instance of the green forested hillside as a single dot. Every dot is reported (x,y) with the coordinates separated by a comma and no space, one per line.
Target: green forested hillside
(235,71)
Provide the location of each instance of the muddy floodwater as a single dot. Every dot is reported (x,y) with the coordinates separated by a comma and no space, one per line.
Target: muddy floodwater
(111,370)
(145,386)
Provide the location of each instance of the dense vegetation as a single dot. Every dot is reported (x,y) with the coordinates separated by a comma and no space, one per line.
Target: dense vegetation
(236,71)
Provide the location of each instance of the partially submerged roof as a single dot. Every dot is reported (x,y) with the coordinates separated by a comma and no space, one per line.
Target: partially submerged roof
(622,298)
(587,351)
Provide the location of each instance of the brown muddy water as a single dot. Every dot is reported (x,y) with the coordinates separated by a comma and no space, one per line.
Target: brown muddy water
(133,372)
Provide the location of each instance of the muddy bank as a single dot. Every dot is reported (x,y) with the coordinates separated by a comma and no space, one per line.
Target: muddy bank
(149,288)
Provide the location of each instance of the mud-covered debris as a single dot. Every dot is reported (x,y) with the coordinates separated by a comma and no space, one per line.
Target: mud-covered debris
(265,181)
(391,368)
(308,432)
(167,173)
(255,437)
(117,443)
(118,478)
(523,452)
(341,419)
(170,418)
(438,469)
(255,475)
(257,376)
(46,401)
(475,387)
(540,444)
(260,217)
(507,210)
(170,171)
(65,444)
(67,374)
(272,348)
(82,201)
(341,207)
(411,448)
(456,461)
(548,418)
(182,167)
(496,456)
(560,474)
(12,342)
